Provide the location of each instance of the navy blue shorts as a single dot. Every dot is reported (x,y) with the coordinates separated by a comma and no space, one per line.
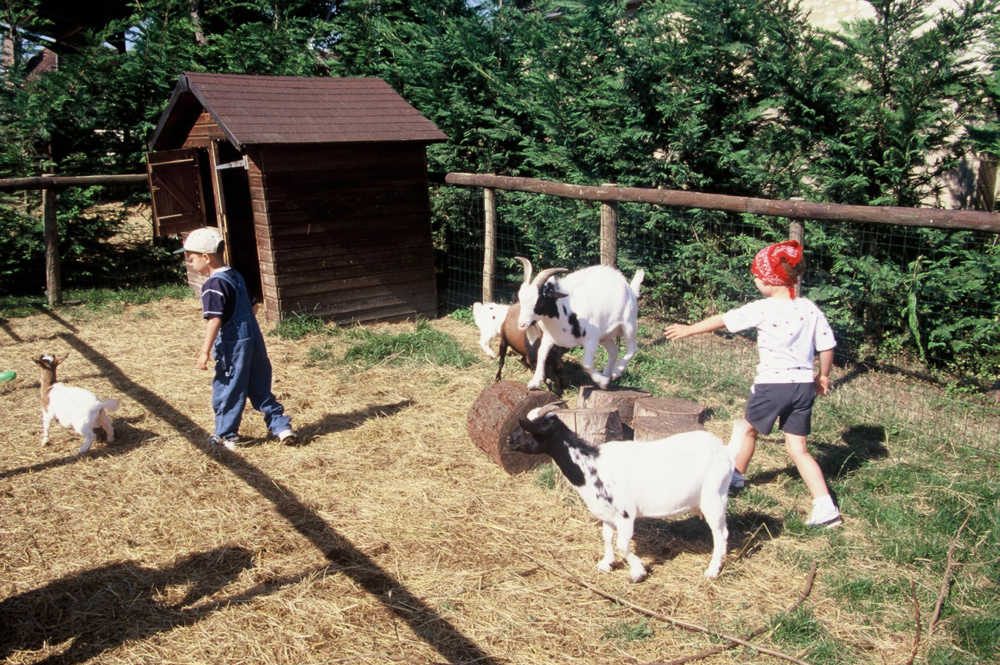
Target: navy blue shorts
(790,404)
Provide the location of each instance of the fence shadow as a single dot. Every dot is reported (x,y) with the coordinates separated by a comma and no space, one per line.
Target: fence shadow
(860,367)
(426,624)
(862,443)
(332,423)
(127,438)
(101,608)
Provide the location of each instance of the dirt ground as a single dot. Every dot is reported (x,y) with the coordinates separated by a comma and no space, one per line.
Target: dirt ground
(386,537)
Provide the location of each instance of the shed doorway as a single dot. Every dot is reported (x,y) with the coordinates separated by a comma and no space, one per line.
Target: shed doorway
(234,212)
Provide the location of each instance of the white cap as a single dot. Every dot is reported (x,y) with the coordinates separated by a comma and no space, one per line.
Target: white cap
(203,241)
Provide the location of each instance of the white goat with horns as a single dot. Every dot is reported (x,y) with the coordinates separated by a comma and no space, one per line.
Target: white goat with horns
(591,306)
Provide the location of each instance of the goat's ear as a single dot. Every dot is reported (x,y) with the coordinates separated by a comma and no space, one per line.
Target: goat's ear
(549,290)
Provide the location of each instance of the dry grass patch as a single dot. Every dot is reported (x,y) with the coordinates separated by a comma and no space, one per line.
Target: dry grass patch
(386,537)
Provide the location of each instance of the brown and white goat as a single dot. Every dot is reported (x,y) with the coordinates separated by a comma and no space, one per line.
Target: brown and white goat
(73,407)
(525,343)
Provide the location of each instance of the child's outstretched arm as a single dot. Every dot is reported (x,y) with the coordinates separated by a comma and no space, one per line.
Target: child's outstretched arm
(681,330)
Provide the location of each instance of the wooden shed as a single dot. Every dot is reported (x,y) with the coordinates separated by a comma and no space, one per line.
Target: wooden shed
(319,186)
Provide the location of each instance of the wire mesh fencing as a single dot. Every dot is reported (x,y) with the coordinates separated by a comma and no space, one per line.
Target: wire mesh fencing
(896,295)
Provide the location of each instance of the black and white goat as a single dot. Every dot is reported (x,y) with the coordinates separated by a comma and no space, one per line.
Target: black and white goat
(591,306)
(622,480)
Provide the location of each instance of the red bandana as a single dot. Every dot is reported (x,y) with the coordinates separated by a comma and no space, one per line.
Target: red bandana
(772,263)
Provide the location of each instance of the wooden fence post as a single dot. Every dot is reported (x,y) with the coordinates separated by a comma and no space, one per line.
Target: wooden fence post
(53,282)
(489,242)
(796,231)
(609,232)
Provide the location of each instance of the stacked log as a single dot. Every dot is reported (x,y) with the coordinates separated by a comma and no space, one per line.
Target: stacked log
(495,414)
(622,400)
(659,417)
(595,426)
(603,415)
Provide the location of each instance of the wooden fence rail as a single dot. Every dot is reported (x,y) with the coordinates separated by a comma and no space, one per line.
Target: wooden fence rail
(58,181)
(49,184)
(611,195)
(949,219)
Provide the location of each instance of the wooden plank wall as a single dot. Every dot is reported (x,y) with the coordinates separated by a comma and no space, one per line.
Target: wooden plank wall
(343,232)
(204,130)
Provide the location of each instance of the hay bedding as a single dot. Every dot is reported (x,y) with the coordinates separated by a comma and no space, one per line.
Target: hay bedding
(387,538)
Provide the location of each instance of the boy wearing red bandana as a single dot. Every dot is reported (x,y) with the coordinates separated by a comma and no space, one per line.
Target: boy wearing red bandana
(791,330)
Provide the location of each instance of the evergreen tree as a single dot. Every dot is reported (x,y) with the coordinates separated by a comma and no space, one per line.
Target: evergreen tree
(909,80)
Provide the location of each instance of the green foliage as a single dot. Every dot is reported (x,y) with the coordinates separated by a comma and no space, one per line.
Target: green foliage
(912,80)
(547,476)
(629,631)
(731,96)
(800,629)
(463,315)
(98,301)
(297,325)
(422,345)
(94,114)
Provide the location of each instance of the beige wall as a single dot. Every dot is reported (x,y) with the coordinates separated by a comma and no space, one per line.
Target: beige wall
(973,184)
(829,14)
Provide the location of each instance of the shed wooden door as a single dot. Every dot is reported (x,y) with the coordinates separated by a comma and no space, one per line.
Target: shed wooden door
(175,184)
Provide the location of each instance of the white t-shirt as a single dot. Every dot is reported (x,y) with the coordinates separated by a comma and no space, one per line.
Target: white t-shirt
(789,333)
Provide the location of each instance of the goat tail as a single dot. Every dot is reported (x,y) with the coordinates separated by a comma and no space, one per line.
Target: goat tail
(736,439)
(109,405)
(636,282)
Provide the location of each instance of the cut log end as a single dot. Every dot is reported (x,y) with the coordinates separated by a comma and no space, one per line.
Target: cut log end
(494,416)
(622,400)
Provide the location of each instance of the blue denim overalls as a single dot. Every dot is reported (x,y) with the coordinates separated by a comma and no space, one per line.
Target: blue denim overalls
(242,368)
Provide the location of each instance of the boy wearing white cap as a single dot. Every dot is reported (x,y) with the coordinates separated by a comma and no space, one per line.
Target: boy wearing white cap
(242,368)
(790,332)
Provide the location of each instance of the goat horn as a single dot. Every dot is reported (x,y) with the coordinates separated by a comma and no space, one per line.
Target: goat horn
(526,264)
(545,274)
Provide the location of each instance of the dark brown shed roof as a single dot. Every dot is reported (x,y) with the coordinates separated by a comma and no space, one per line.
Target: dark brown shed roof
(255,110)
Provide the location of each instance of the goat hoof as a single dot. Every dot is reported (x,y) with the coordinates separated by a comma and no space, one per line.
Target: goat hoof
(711,574)
(604,566)
(638,577)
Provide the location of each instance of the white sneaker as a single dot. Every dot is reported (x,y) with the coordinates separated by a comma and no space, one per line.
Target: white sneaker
(825,519)
(738,481)
(288,437)
(231,442)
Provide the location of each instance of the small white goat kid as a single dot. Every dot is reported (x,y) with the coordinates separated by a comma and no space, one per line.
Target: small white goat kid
(489,317)
(622,480)
(591,306)
(73,407)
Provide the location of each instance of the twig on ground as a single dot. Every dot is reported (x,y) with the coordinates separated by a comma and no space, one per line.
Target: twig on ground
(749,541)
(806,590)
(668,619)
(946,580)
(916,621)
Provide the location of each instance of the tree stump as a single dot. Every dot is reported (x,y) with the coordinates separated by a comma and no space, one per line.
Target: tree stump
(649,428)
(494,416)
(620,400)
(664,416)
(595,426)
